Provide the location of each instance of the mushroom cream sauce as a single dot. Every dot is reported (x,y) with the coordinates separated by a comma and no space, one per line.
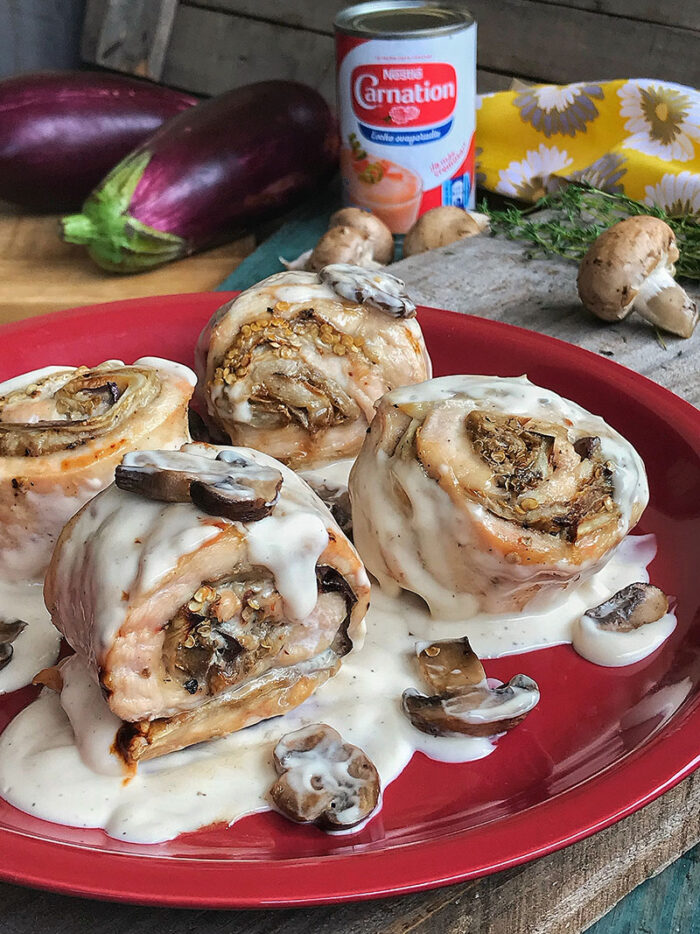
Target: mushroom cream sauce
(70,735)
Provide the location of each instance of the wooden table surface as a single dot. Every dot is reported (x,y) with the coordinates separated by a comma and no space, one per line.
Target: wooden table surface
(559,894)
(40,273)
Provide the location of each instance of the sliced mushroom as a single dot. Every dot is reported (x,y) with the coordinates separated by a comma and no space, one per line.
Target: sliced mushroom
(450,665)
(9,630)
(160,475)
(369,287)
(475,711)
(630,608)
(630,266)
(323,780)
(231,486)
(587,447)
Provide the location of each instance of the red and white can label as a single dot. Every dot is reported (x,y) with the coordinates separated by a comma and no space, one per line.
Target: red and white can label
(407,119)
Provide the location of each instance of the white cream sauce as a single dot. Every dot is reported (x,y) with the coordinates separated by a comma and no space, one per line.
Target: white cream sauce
(334,476)
(294,570)
(178,370)
(225,779)
(615,649)
(36,647)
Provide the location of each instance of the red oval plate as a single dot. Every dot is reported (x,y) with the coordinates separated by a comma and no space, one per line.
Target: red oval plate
(602,742)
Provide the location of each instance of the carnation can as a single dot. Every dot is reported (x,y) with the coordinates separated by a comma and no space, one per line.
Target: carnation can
(406,107)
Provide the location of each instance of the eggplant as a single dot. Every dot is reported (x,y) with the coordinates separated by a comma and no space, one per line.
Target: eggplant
(233,161)
(61,132)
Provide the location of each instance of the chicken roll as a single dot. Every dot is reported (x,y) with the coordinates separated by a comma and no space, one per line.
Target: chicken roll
(294,365)
(63,430)
(482,493)
(207,590)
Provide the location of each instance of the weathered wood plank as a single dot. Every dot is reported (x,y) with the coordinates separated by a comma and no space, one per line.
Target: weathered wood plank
(559,894)
(665,12)
(211,52)
(495,279)
(564,44)
(129,35)
(542,40)
(313,15)
(37,34)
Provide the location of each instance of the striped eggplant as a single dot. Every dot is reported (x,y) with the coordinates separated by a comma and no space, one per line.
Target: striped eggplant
(209,173)
(60,132)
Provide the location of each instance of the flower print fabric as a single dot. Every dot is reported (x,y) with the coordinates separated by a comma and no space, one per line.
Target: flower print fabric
(639,137)
(564,109)
(662,119)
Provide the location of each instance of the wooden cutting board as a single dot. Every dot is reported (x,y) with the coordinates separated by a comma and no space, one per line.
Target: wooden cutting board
(40,273)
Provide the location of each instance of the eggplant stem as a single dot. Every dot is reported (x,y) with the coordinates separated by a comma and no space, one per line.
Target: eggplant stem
(116,241)
(77,228)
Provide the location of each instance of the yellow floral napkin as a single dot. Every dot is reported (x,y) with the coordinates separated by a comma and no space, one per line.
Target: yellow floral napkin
(639,136)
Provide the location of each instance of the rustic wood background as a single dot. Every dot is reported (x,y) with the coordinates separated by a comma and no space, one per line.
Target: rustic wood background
(39,34)
(208,46)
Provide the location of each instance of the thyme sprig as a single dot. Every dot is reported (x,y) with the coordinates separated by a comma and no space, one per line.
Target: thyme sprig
(569,220)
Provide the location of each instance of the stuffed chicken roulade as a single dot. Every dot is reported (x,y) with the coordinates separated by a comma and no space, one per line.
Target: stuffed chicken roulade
(481,493)
(294,365)
(207,590)
(63,430)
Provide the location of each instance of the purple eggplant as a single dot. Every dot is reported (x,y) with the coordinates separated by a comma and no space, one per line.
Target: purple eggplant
(232,161)
(61,132)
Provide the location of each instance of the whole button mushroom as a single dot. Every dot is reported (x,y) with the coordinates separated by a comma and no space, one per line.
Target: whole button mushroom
(442,226)
(323,780)
(354,236)
(371,227)
(630,266)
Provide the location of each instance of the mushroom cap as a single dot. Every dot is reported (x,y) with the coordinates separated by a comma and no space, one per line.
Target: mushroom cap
(372,227)
(376,288)
(230,485)
(8,633)
(617,263)
(323,780)
(628,609)
(341,244)
(441,226)
(450,665)
(476,711)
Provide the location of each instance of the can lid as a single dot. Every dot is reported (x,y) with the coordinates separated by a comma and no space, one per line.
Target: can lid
(398,19)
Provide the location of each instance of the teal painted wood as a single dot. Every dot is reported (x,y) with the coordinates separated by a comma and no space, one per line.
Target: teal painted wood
(297,234)
(667,904)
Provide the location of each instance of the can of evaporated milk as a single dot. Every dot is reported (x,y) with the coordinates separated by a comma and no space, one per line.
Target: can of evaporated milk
(406,106)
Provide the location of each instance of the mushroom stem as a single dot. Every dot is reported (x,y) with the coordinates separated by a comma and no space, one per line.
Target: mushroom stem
(663,302)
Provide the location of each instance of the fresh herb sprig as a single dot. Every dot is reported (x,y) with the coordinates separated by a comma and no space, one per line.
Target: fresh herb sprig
(569,220)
